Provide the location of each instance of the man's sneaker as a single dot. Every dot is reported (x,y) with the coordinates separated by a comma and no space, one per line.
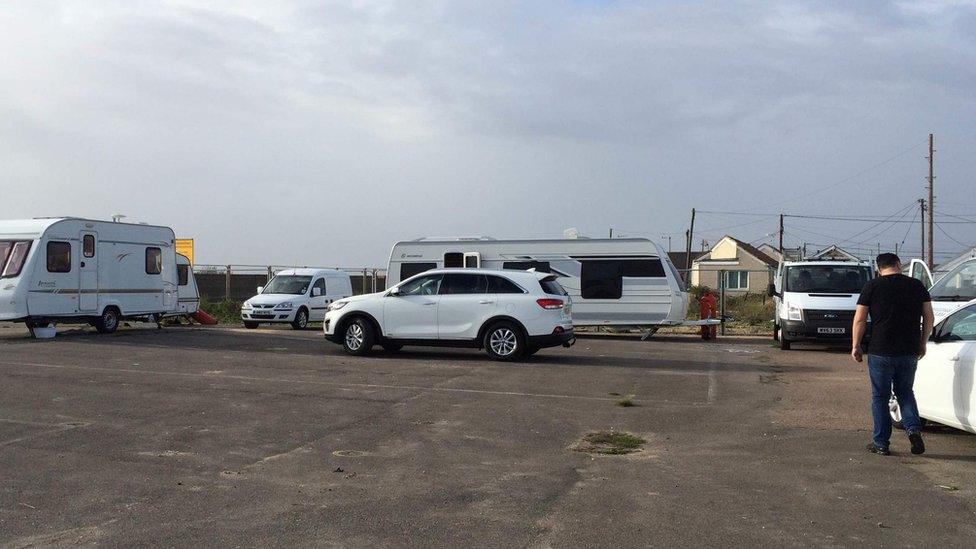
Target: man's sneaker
(875,449)
(918,445)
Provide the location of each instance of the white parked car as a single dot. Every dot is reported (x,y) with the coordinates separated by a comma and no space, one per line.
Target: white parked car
(944,381)
(505,312)
(296,297)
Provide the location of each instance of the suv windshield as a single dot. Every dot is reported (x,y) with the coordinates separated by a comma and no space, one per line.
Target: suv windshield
(288,284)
(958,284)
(827,279)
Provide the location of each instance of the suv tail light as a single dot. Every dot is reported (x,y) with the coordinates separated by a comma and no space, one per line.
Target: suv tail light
(550,303)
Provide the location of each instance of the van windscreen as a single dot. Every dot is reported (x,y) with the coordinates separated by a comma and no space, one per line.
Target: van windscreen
(958,284)
(288,284)
(827,279)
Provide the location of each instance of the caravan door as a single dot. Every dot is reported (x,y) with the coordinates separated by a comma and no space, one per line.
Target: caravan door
(920,271)
(88,273)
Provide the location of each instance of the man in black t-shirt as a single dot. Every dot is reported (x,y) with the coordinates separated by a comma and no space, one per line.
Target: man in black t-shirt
(901,321)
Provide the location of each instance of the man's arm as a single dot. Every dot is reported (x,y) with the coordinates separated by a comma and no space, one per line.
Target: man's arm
(857,331)
(928,320)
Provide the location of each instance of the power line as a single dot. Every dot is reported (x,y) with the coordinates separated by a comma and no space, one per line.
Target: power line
(939,226)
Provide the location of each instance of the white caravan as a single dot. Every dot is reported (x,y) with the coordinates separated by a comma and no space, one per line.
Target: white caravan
(70,270)
(612,282)
(816,299)
(296,297)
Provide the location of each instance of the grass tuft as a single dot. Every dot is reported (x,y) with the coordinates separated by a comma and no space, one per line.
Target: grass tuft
(609,443)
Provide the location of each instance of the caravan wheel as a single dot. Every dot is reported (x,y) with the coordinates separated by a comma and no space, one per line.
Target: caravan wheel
(109,321)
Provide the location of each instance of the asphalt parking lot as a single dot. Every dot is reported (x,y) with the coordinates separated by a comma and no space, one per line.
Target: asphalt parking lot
(195,436)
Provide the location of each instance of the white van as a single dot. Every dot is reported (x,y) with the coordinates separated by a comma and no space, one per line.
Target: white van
(612,282)
(952,290)
(296,297)
(816,300)
(100,272)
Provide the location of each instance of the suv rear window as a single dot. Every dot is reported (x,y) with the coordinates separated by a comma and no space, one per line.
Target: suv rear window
(551,287)
(502,285)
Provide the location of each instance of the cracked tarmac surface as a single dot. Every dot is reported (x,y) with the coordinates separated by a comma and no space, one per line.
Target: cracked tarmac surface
(197,436)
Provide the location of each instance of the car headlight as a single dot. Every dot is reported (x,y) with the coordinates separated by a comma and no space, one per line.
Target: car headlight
(285,305)
(794,313)
(336,305)
(246,305)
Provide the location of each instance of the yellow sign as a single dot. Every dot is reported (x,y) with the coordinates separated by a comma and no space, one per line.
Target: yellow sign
(184,246)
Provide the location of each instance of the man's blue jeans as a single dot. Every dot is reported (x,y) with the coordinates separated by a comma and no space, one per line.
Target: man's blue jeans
(892,373)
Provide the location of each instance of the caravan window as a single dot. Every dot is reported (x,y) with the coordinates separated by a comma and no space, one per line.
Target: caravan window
(183,275)
(453,260)
(540,266)
(88,245)
(410,269)
(603,278)
(12,257)
(154,261)
(58,257)
(471,262)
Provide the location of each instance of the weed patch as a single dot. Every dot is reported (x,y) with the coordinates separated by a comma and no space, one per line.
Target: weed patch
(609,443)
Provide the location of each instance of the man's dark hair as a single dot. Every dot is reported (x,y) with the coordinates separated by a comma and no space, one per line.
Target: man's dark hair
(887,261)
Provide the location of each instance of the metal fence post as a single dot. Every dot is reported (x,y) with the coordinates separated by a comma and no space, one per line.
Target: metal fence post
(270,273)
(374,280)
(227,284)
(721,286)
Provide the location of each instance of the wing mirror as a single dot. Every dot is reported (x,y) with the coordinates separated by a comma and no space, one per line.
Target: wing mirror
(316,292)
(260,289)
(394,291)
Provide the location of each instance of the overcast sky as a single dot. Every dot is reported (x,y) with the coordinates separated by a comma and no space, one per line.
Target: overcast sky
(318,133)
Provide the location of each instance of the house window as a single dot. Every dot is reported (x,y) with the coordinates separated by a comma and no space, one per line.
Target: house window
(410,269)
(154,261)
(58,257)
(737,280)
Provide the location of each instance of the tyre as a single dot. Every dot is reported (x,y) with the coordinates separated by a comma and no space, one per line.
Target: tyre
(358,337)
(784,343)
(108,322)
(301,319)
(391,347)
(250,325)
(504,341)
(895,411)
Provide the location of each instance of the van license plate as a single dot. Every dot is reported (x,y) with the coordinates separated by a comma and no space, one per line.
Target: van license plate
(831,330)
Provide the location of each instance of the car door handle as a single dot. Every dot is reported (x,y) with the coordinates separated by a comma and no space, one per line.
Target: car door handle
(430,303)
(486,302)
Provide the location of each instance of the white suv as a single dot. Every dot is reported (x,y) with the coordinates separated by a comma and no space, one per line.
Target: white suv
(507,313)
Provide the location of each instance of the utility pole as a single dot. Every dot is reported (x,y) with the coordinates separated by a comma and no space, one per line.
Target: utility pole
(691,235)
(921,206)
(780,234)
(931,199)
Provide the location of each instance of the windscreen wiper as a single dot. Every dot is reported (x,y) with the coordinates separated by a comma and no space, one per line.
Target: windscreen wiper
(956,297)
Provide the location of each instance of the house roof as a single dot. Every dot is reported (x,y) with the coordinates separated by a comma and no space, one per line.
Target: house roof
(755,252)
(680,259)
(833,248)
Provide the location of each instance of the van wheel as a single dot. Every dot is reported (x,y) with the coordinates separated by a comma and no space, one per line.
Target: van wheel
(784,343)
(358,337)
(391,347)
(504,341)
(250,325)
(301,319)
(108,322)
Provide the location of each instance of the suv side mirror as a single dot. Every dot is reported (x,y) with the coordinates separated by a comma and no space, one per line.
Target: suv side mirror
(394,291)
(316,292)
(260,289)
(771,290)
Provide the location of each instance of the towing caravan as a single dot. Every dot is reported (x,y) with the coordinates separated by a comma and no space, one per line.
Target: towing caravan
(82,270)
(612,282)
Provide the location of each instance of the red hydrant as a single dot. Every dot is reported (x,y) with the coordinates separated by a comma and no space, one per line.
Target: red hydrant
(708,308)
